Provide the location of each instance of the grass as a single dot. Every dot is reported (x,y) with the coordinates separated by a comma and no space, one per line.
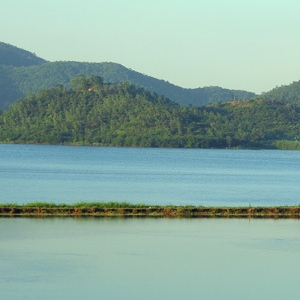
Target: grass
(108,205)
(125,209)
(40,204)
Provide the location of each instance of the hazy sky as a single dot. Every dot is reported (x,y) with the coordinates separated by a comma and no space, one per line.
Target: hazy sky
(252,45)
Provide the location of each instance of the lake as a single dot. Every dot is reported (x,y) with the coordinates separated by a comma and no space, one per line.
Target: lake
(149,259)
(117,258)
(66,174)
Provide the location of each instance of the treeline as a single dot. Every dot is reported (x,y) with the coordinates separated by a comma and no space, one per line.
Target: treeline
(94,113)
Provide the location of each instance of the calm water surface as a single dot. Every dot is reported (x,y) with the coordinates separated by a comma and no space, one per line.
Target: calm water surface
(64,174)
(149,259)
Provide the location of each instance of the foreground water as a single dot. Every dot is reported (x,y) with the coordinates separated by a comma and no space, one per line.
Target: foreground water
(149,259)
(64,174)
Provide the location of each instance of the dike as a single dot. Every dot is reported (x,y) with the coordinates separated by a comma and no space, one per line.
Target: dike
(155,211)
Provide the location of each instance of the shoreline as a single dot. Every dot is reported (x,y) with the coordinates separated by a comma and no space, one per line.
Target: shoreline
(143,211)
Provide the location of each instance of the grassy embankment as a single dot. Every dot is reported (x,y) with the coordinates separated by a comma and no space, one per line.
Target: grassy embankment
(115,209)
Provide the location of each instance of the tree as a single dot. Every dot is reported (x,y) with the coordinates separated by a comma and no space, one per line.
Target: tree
(91,83)
(79,83)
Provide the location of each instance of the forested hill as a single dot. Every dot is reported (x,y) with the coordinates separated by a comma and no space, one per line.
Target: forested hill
(94,113)
(19,76)
(14,56)
(287,93)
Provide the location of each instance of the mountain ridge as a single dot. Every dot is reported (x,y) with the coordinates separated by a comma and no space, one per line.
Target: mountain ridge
(13,56)
(17,80)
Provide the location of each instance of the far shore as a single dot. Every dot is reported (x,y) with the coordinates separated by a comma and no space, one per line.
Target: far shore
(114,209)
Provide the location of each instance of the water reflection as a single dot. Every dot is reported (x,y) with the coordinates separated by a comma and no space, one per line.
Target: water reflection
(149,259)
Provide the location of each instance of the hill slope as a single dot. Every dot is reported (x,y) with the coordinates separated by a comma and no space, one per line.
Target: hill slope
(93,113)
(287,93)
(16,80)
(14,56)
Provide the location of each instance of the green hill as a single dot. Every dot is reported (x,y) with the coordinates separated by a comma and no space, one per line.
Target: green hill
(287,93)
(94,113)
(17,80)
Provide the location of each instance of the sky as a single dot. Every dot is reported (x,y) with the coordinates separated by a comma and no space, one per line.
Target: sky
(249,45)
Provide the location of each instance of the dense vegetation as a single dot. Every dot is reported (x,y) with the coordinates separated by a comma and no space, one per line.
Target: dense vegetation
(124,209)
(26,73)
(287,93)
(94,113)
